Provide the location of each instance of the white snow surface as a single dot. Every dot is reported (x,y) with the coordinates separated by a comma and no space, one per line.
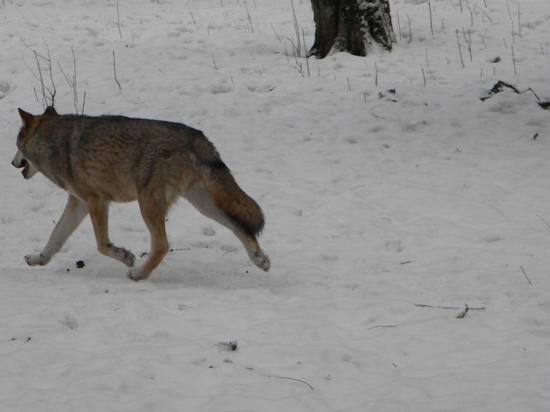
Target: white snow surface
(375,203)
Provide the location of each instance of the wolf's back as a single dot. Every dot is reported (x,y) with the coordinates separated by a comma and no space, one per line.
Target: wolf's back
(117,148)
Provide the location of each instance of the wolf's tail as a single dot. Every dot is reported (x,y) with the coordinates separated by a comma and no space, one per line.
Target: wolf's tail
(232,201)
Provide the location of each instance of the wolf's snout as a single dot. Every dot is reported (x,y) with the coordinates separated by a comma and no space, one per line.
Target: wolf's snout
(21,163)
(18,160)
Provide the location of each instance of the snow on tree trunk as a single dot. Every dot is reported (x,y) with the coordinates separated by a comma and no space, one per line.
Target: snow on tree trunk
(351,25)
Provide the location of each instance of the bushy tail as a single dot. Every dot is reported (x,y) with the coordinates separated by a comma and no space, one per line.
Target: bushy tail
(236,205)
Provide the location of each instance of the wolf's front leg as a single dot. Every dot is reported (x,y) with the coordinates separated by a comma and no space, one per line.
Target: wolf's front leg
(72,216)
(99,213)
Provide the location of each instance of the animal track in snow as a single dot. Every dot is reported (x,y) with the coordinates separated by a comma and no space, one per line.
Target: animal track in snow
(219,89)
(4,88)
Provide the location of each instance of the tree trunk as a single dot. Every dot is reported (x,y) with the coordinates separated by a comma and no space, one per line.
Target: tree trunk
(351,26)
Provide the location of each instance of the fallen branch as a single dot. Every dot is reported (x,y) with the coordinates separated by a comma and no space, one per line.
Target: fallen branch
(501,85)
(532,91)
(114,71)
(525,274)
(462,314)
(293,379)
(447,307)
(267,375)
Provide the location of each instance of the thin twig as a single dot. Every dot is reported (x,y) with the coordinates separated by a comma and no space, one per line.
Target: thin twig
(514,61)
(519,21)
(307,57)
(118,19)
(114,70)
(268,375)
(545,221)
(431,17)
(67,79)
(83,102)
(193,18)
(398,25)
(293,379)
(44,101)
(75,92)
(382,326)
(525,274)
(476,7)
(468,40)
(459,50)
(446,307)
(462,314)
(73,84)
(298,48)
(54,91)
(532,91)
(249,17)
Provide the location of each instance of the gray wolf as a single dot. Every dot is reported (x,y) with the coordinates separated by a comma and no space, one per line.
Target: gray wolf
(104,159)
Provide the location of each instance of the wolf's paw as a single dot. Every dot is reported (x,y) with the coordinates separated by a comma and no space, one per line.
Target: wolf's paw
(128,258)
(132,275)
(125,256)
(135,274)
(33,260)
(261,260)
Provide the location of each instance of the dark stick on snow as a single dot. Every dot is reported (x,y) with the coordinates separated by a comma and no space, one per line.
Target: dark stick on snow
(498,87)
(293,379)
(268,375)
(118,20)
(382,326)
(114,71)
(446,307)
(525,274)
(543,219)
(532,91)
(462,314)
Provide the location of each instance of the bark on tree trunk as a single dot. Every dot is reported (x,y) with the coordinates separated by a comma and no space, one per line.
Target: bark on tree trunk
(351,25)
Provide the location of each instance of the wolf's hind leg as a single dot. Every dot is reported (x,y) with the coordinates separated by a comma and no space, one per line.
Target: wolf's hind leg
(153,209)
(199,198)
(99,213)
(75,211)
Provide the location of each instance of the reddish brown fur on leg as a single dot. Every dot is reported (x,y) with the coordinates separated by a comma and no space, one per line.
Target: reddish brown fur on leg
(153,208)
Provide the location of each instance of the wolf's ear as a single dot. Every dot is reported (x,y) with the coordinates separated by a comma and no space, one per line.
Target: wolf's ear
(26,117)
(50,111)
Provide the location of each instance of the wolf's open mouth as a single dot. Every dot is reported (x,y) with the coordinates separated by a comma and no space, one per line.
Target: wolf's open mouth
(25,165)
(25,170)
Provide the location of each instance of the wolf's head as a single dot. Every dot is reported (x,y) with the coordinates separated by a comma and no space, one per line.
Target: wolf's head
(30,124)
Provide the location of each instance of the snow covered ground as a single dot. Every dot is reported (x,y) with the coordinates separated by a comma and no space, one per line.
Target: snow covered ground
(375,203)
